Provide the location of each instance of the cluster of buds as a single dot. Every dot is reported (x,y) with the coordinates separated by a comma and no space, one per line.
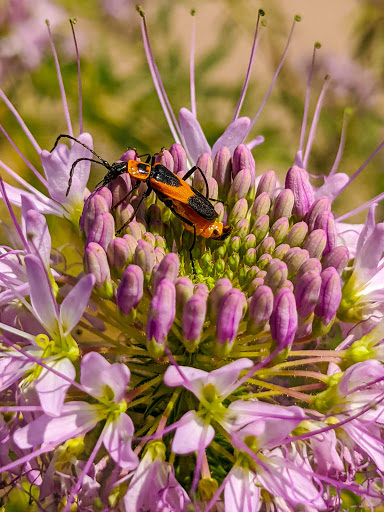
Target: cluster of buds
(278,275)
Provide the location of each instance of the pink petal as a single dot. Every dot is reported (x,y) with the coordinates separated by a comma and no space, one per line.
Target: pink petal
(234,135)
(240,492)
(51,388)
(75,302)
(41,293)
(190,378)
(12,368)
(38,235)
(225,378)
(193,135)
(366,437)
(118,440)
(278,479)
(77,151)
(272,424)
(97,374)
(192,435)
(332,186)
(76,419)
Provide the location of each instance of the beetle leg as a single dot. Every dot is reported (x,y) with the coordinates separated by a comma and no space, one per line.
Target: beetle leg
(146,194)
(189,223)
(135,187)
(73,170)
(191,171)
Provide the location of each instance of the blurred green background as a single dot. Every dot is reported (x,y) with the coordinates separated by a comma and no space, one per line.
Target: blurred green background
(120,105)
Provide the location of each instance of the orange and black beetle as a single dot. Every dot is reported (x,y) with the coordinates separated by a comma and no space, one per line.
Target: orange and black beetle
(193,209)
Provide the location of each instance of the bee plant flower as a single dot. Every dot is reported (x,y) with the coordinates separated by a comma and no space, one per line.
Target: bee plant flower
(133,378)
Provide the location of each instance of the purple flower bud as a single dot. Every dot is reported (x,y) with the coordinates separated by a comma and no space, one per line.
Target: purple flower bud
(337,258)
(221,287)
(261,275)
(230,313)
(222,169)
(315,243)
(159,255)
(168,269)
(260,307)
(297,234)
(205,163)
(130,154)
(255,283)
(243,159)
(235,244)
(120,187)
(106,193)
(260,206)
(282,207)
(240,185)
(267,184)
(184,290)
(326,222)
(132,244)
(93,207)
(279,229)
(277,273)
(264,261)
(250,257)
(238,212)
(297,181)
(119,253)
(145,257)
(201,289)
(153,213)
(288,284)
(283,321)
(242,228)
(162,311)
(307,266)
(97,264)
(294,258)
(130,290)
(281,251)
(213,188)
(260,228)
(330,295)
(267,246)
(194,313)
(179,159)
(248,243)
(166,159)
(319,206)
(102,230)
(149,237)
(307,290)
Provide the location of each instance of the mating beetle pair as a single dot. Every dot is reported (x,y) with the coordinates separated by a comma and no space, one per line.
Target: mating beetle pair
(193,209)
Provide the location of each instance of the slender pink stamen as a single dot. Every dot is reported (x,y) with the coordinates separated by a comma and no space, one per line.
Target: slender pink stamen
(266,97)
(61,83)
(163,98)
(72,22)
(7,282)
(255,44)
(340,151)
(361,169)
(307,96)
(192,64)
(22,408)
(20,121)
(27,458)
(25,160)
(361,208)
(315,120)
(13,217)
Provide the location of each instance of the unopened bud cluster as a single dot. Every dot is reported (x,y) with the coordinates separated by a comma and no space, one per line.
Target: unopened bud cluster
(276,276)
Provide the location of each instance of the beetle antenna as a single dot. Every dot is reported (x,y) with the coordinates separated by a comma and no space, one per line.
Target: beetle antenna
(103,163)
(62,136)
